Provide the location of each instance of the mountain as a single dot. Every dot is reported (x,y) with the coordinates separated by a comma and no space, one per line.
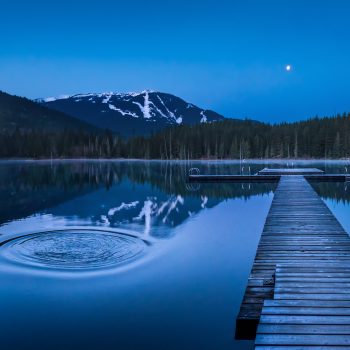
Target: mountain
(131,113)
(23,114)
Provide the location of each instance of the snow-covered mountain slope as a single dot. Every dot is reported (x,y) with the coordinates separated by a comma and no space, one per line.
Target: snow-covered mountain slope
(131,113)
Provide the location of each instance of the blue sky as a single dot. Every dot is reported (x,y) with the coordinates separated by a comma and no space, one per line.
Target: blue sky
(229,56)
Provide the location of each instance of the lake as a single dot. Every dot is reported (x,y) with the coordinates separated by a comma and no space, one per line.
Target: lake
(126,255)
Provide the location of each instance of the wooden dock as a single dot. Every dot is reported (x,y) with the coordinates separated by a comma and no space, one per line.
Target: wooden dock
(299,288)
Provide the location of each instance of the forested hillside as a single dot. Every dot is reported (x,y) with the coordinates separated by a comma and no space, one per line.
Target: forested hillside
(19,113)
(314,138)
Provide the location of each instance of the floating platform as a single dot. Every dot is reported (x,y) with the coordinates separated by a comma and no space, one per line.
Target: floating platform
(265,178)
(234,178)
(298,292)
(291,171)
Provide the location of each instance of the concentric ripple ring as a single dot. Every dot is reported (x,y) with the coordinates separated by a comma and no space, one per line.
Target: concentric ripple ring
(73,249)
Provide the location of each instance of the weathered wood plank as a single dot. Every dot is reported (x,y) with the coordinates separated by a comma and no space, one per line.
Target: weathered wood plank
(307,303)
(319,311)
(300,276)
(312,284)
(303,329)
(311,296)
(301,319)
(303,339)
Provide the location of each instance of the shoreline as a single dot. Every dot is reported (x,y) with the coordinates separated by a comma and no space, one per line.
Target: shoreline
(111,160)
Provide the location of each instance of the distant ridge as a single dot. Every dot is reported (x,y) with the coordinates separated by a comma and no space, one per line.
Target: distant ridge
(133,113)
(23,114)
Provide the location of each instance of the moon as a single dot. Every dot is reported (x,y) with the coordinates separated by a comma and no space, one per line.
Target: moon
(288,67)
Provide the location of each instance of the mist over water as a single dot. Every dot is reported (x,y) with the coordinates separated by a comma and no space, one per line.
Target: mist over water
(127,255)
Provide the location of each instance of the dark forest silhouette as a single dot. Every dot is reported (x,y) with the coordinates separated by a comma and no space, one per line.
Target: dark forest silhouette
(235,139)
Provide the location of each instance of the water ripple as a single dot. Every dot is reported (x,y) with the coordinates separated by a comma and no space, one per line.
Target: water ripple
(73,249)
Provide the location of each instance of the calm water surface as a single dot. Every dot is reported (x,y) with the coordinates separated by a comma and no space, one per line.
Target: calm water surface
(125,255)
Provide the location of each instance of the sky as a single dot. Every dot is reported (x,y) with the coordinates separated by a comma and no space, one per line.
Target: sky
(228,56)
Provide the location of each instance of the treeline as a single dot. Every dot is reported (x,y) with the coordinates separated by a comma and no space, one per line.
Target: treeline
(315,138)
(60,144)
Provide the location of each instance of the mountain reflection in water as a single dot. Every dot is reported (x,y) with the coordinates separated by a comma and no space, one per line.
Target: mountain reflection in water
(146,197)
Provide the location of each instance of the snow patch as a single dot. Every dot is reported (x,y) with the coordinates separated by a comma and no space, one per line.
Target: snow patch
(173,206)
(51,99)
(114,108)
(107,96)
(204,117)
(171,114)
(83,95)
(105,220)
(134,94)
(126,206)
(146,213)
(145,109)
(162,207)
